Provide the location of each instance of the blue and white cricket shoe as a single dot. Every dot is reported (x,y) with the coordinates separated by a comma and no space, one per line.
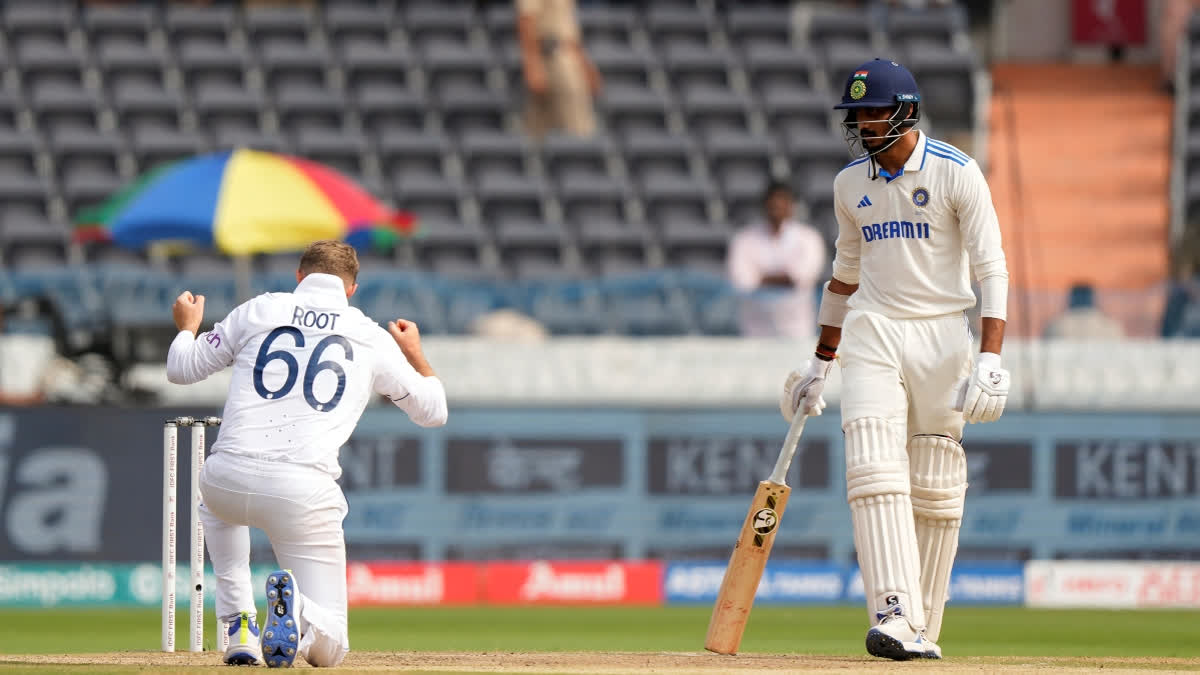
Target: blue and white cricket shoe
(243,649)
(893,638)
(281,632)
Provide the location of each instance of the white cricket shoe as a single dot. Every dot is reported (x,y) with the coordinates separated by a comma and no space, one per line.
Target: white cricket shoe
(893,638)
(243,649)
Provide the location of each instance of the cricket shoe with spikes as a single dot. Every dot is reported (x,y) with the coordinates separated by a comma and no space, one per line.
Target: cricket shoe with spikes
(893,638)
(243,649)
(281,632)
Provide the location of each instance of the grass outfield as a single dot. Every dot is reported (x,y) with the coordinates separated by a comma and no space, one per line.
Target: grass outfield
(834,631)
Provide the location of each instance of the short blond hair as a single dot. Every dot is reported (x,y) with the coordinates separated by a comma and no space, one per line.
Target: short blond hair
(329,256)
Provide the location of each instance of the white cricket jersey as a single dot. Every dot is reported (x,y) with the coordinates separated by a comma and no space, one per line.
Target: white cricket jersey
(305,365)
(912,241)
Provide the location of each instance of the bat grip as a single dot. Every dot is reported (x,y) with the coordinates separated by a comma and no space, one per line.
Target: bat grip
(779,475)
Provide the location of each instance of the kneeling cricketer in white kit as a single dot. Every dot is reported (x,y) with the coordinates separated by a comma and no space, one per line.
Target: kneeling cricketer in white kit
(915,218)
(305,365)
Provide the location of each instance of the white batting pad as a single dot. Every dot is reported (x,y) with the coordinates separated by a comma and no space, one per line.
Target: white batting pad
(939,486)
(877,487)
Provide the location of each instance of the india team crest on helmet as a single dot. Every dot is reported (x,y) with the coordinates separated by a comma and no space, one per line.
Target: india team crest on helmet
(858,89)
(920,197)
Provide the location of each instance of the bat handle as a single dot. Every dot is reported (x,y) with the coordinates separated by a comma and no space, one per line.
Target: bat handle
(779,475)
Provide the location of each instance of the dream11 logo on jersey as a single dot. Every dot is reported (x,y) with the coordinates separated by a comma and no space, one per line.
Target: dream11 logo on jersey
(52,498)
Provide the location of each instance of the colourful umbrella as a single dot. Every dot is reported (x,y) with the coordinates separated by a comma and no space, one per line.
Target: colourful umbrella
(242,202)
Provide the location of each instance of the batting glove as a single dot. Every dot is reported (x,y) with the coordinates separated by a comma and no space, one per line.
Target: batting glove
(982,397)
(803,388)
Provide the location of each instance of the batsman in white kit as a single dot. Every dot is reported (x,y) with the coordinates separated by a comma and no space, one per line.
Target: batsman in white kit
(305,365)
(915,221)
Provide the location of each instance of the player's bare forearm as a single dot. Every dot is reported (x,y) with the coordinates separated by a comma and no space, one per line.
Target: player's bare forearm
(832,335)
(416,358)
(993,335)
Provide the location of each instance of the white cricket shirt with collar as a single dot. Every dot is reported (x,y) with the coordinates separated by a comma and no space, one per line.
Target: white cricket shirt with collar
(304,367)
(912,241)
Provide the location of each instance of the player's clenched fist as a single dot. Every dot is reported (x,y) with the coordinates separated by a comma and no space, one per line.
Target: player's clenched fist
(405,334)
(983,396)
(188,311)
(803,389)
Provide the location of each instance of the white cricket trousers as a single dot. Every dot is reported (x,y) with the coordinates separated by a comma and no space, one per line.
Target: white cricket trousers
(905,469)
(301,511)
(904,371)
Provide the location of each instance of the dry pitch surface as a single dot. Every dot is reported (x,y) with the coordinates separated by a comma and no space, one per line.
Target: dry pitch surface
(625,663)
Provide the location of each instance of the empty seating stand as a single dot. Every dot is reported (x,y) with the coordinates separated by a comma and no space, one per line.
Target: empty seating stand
(422,102)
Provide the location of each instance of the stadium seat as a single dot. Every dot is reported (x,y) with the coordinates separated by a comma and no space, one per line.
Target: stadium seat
(50,64)
(649,154)
(357,24)
(213,276)
(934,26)
(18,154)
(386,109)
(58,105)
(456,66)
(291,64)
(812,155)
(223,107)
(305,106)
(615,247)
(778,68)
(341,149)
(606,24)
(432,23)
(734,155)
(566,155)
(403,155)
(124,25)
(470,109)
(188,25)
(622,66)
(47,23)
(628,109)
(758,26)
(947,86)
(842,57)
(797,112)
(532,251)
(692,66)
(675,199)
(384,65)
(510,199)
(568,308)
(435,201)
(10,106)
(138,105)
(834,24)
(708,110)
(670,26)
(588,199)
(487,153)
(205,63)
(124,64)
(268,26)
(695,245)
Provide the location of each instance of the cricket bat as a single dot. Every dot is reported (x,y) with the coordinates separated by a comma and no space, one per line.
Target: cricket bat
(751,551)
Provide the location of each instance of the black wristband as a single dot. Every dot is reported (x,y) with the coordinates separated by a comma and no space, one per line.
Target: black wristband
(823,357)
(824,347)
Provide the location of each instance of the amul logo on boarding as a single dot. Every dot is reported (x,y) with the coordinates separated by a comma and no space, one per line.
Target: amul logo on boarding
(765,521)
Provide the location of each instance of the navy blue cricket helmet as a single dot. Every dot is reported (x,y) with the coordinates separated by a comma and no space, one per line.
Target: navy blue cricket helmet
(880,83)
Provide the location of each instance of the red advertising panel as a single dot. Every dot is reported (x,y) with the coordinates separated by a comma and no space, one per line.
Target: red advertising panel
(398,584)
(573,583)
(1108,22)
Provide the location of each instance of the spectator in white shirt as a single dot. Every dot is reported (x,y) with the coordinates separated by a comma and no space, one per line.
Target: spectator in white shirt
(776,265)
